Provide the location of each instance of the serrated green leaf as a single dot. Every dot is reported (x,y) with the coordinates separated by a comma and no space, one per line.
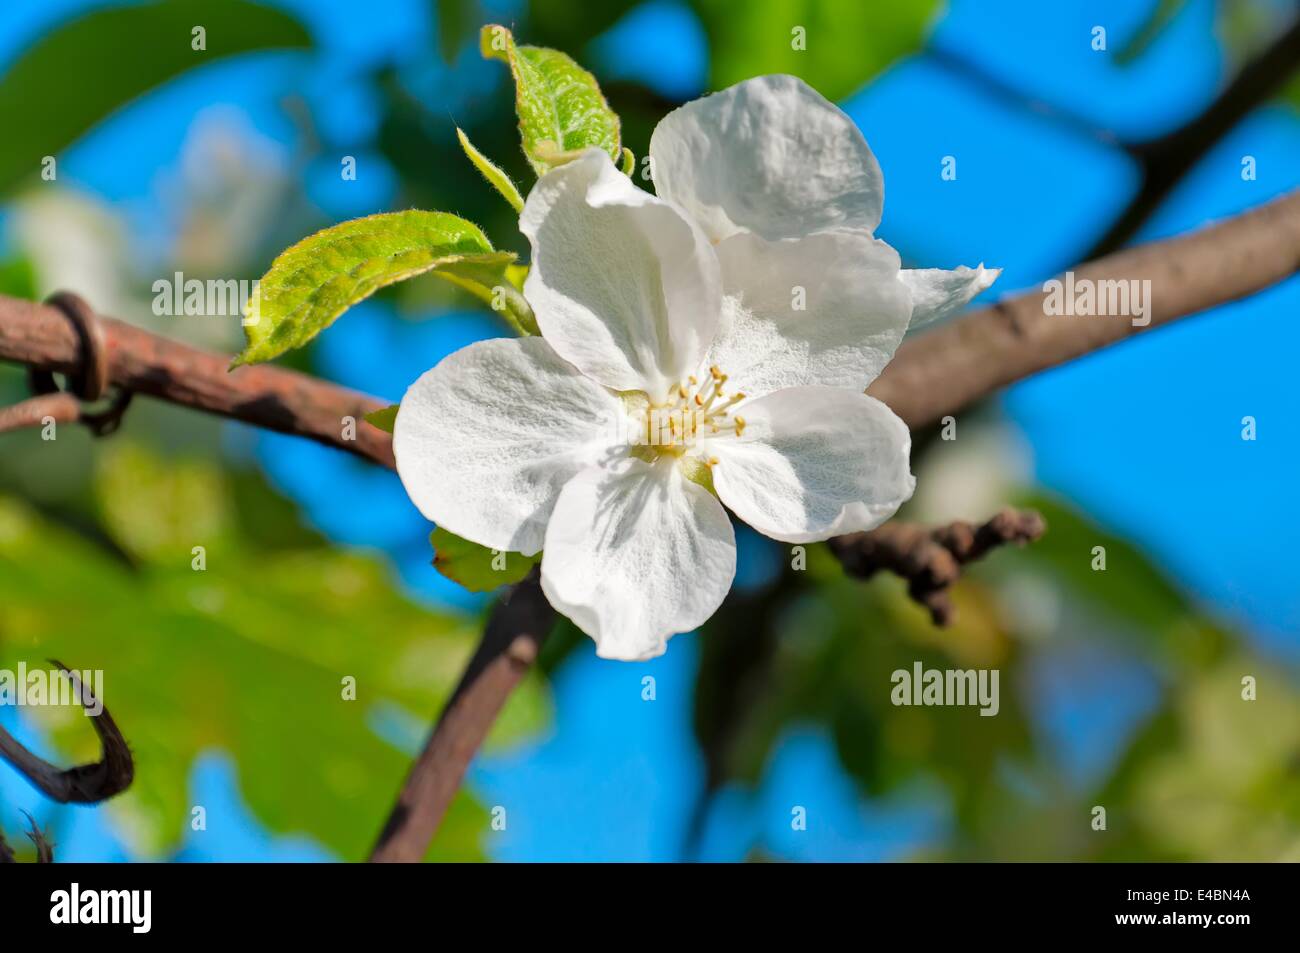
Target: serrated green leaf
(496,178)
(560,106)
(79,73)
(384,419)
(476,567)
(323,275)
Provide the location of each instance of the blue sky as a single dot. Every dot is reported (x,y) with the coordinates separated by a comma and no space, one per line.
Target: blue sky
(1144,437)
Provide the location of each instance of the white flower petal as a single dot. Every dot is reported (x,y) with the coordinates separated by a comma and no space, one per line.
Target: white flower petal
(814,462)
(486,440)
(770,155)
(937,294)
(623,285)
(635,554)
(855,311)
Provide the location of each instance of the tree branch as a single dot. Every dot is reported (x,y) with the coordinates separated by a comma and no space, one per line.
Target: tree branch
(1165,161)
(943,370)
(84,783)
(931,560)
(936,374)
(42,337)
(514,636)
(62,408)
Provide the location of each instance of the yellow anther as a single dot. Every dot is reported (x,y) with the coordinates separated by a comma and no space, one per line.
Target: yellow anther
(740,425)
(713,461)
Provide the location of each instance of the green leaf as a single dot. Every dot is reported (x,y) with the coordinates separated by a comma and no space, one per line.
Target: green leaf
(248,657)
(323,275)
(73,77)
(384,419)
(629,162)
(476,567)
(496,178)
(759,36)
(561,109)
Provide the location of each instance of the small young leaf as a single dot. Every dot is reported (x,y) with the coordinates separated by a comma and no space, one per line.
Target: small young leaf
(383,419)
(496,178)
(323,275)
(629,162)
(476,567)
(560,106)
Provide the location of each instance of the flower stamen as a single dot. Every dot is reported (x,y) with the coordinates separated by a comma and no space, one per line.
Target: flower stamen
(688,408)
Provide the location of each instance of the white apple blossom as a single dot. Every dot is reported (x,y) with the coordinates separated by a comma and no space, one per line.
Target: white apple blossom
(706,346)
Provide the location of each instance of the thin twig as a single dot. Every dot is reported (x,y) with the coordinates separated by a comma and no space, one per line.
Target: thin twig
(930,560)
(40,840)
(62,408)
(84,783)
(1167,160)
(515,634)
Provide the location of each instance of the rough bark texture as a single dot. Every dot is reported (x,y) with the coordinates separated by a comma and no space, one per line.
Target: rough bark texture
(930,560)
(42,337)
(941,371)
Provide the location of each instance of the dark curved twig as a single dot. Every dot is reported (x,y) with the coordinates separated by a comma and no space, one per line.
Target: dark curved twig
(40,840)
(83,783)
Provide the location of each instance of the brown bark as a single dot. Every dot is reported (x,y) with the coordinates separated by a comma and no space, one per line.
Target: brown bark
(943,370)
(514,636)
(61,408)
(84,783)
(40,336)
(930,560)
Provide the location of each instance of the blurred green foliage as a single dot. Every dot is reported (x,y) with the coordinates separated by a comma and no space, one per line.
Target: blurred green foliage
(807,38)
(249,654)
(1207,776)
